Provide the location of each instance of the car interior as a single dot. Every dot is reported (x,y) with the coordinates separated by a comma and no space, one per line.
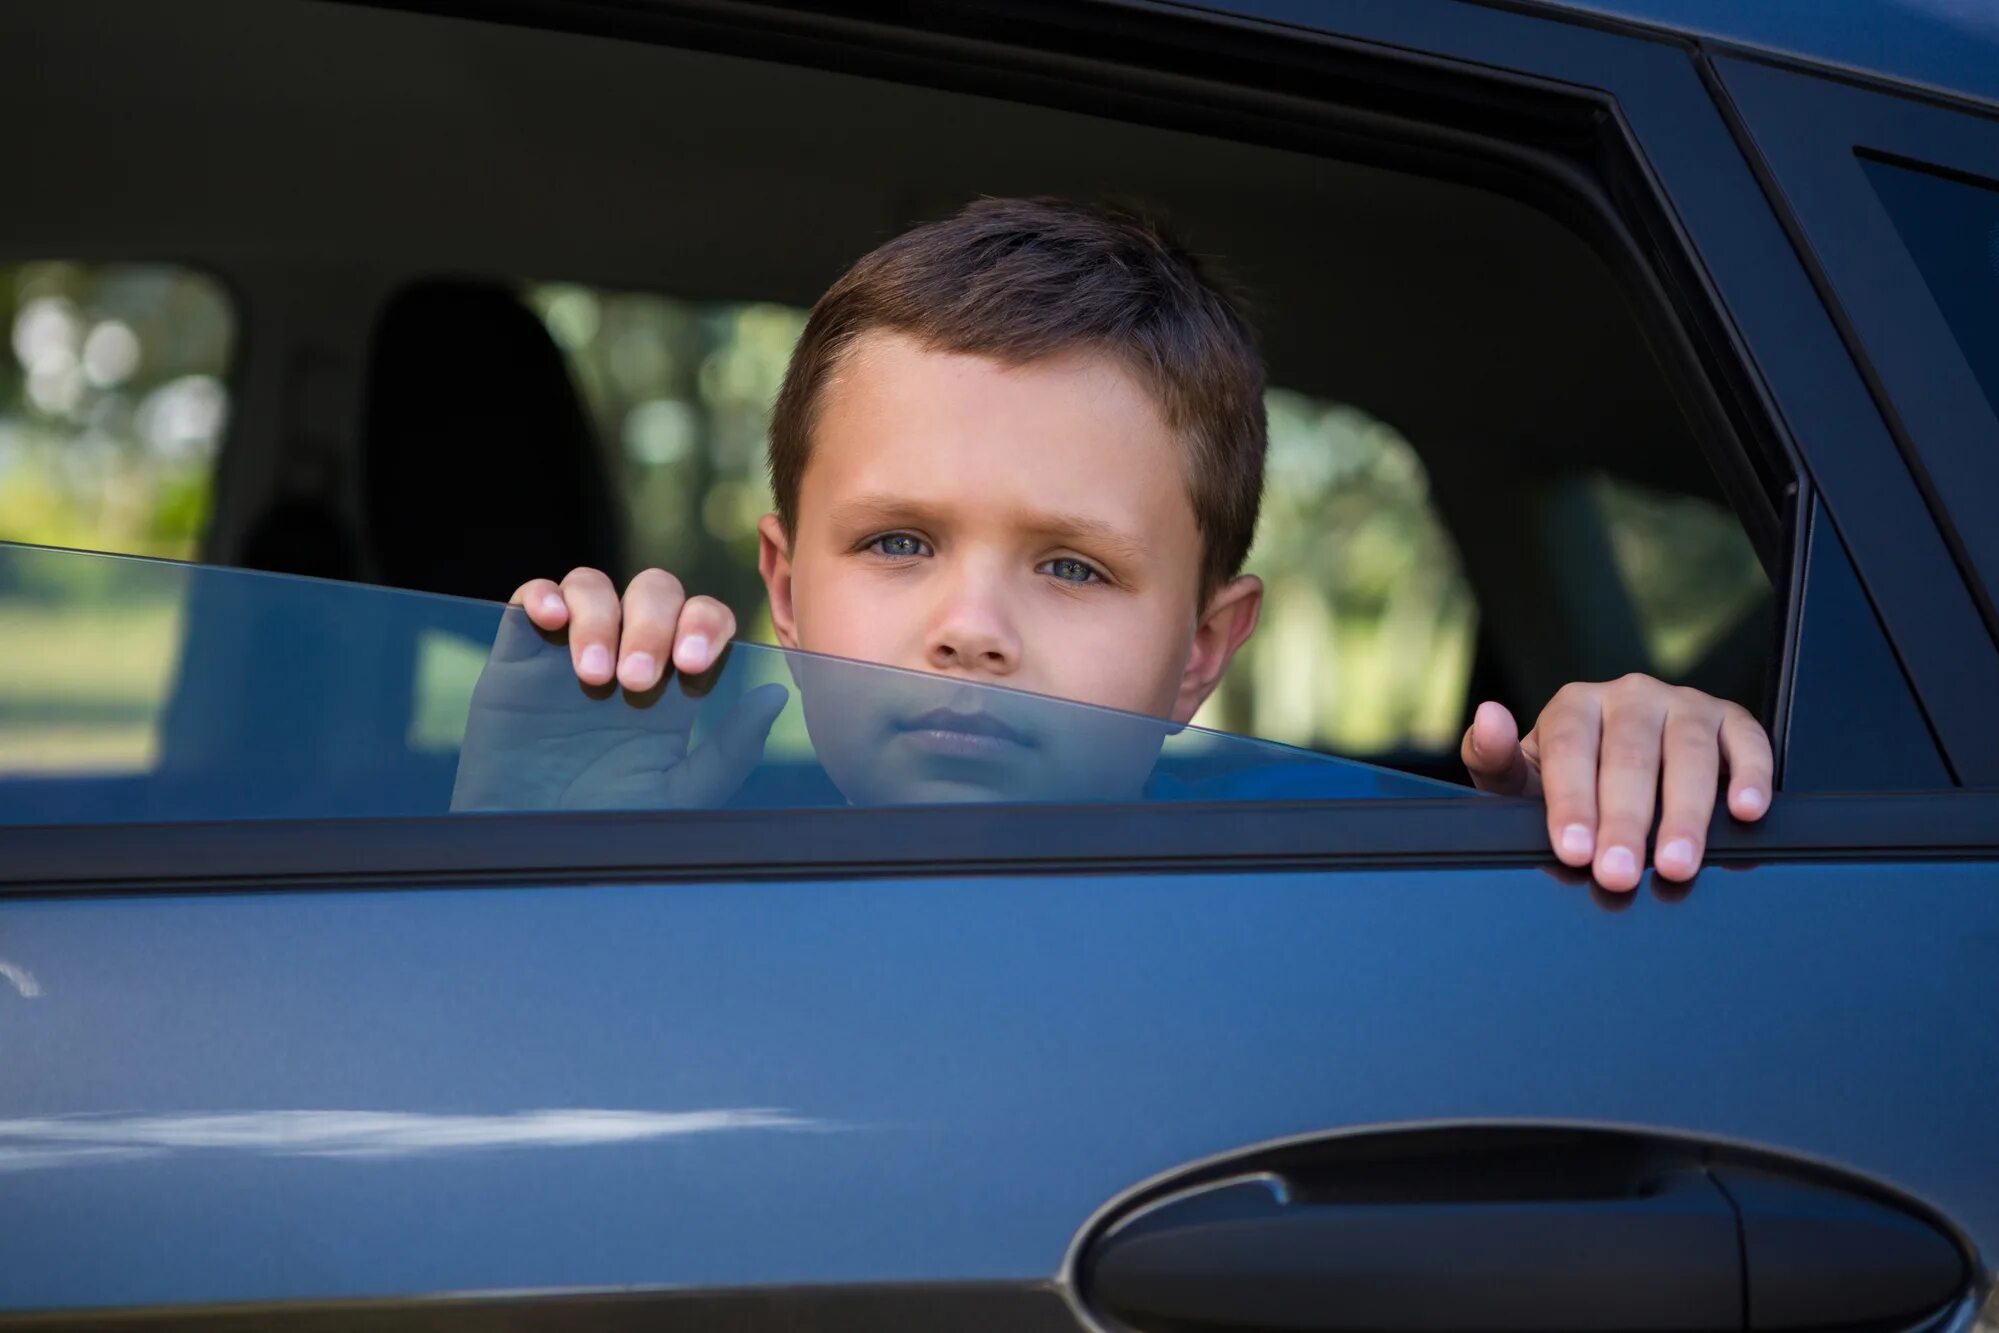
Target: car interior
(374,187)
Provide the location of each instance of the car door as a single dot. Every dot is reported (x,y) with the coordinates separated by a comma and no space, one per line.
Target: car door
(334,1058)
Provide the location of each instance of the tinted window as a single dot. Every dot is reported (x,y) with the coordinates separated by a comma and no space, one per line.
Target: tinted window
(1952,231)
(234,695)
(112,404)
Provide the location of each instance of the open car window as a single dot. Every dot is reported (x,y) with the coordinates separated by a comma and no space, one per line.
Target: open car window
(145,691)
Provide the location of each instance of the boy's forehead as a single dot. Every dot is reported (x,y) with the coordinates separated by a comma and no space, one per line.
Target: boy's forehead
(1072,434)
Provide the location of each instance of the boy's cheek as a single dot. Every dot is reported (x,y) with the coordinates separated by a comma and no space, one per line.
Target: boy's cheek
(1129,662)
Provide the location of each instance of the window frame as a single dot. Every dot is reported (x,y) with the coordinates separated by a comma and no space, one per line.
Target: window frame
(1807,134)
(1728,261)
(1687,180)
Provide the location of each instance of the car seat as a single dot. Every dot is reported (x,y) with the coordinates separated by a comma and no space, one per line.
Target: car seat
(479,466)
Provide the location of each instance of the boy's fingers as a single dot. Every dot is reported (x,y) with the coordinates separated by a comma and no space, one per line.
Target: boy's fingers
(652,608)
(705,626)
(1566,736)
(1751,769)
(1491,752)
(1692,775)
(593,624)
(542,601)
(1627,790)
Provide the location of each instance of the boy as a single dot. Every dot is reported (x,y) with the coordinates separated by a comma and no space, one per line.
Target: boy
(1024,447)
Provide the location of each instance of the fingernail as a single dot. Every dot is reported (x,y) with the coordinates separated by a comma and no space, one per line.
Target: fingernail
(1620,862)
(1751,801)
(638,670)
(596,660)
(1577,840)
(552,604)
(694,651)
(1677,854)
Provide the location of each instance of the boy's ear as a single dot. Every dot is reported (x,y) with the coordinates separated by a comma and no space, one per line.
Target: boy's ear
(774,563)
(1226,624)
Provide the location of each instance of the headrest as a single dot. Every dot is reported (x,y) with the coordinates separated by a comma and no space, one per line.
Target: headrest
(479,465)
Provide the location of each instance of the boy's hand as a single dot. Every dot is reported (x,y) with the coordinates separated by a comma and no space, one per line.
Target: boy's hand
(1603,754)
(547,730)
(656,622)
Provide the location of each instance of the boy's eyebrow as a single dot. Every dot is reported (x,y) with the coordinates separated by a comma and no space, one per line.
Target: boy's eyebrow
(1094,533)
(1099,537)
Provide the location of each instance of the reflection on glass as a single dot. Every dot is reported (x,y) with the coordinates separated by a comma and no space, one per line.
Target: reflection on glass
(278,697)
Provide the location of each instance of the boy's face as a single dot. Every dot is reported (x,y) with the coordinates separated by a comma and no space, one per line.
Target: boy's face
(1027,526)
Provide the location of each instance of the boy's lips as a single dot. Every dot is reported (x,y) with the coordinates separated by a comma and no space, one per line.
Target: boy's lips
(970,734)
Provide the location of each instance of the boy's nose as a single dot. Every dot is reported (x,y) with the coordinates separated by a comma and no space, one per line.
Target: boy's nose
(972,632)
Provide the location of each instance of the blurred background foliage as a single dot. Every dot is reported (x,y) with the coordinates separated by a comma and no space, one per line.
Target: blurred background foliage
(114,401)
(112,405)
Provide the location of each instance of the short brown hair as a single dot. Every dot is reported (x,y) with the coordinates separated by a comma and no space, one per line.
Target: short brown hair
(1019,279)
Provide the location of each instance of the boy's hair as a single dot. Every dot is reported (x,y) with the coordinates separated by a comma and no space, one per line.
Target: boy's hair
(1019,279)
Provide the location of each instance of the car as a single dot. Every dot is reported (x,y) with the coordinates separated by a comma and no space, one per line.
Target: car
(1638,335)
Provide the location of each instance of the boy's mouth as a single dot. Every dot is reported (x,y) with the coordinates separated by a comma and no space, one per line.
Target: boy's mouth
(946,731)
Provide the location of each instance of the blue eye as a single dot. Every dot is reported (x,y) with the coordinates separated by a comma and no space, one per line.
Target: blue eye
(1071,571)
(899,545)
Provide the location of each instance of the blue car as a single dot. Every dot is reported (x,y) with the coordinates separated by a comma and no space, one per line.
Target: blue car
(343,987)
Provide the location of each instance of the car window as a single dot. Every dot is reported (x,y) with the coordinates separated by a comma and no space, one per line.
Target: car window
(144,690)
(113,399)
(1951,229)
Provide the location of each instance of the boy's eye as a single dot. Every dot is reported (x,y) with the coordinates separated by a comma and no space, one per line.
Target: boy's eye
(899,545)
(1070,570)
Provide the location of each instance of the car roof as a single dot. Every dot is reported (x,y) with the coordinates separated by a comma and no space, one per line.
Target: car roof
(1949,46)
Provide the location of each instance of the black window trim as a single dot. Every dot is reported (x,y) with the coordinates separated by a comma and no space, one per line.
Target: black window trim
(1665,119)
(652,847)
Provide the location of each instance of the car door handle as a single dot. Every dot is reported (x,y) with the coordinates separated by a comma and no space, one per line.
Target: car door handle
(1666,1241)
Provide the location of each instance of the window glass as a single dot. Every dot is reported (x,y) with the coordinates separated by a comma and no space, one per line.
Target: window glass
(113,400)
(1952,231)
(243,696)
